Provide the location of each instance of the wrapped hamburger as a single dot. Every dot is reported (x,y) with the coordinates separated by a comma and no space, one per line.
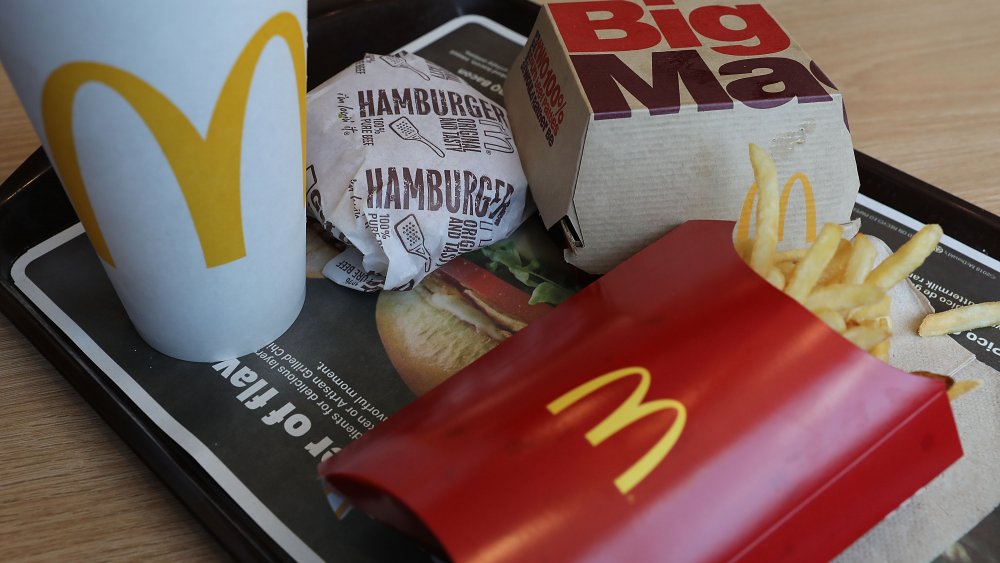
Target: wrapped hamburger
(411,167)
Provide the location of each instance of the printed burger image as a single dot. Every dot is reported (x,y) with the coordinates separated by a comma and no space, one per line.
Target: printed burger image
(450,319)
(466,308)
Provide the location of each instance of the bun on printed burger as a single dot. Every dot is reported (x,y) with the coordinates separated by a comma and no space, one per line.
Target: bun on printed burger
(455,315)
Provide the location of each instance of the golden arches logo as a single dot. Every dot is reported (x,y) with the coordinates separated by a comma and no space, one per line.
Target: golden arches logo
(746,214)
(631,410)
(207,168)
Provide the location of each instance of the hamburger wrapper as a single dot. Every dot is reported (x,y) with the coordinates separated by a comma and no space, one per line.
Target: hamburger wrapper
(679,408)
(411,167)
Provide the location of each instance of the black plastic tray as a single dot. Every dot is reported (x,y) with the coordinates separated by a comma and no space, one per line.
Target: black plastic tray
(33,207)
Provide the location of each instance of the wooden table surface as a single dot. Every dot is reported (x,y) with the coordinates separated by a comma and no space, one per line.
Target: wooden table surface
(921,80)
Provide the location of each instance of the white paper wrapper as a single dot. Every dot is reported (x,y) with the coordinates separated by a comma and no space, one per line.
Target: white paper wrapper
(412,167)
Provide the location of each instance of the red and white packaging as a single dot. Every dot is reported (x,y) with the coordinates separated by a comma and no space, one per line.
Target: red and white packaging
(677,409)
(632,117)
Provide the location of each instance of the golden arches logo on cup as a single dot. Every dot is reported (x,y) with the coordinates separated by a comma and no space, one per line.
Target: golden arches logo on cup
(207,168)
(746,213)
(634,408)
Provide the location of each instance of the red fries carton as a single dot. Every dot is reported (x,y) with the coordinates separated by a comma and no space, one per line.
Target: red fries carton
(633,116)
(678,409)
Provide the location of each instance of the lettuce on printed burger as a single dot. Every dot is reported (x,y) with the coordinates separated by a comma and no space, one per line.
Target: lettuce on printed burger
(464,309)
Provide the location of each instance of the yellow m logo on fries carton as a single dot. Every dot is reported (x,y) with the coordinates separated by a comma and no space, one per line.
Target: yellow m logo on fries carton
(633,409)
(207,168)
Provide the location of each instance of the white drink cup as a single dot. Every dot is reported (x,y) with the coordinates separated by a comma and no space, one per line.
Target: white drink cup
(178,131)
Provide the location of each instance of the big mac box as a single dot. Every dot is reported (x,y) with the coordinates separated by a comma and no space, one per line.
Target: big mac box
(679,408)
(633,116)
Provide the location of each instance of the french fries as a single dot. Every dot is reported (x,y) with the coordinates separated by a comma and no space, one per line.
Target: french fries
(838,264)
(766,239)
(832,318)
(837,280)
(833,278)
(956,388)
(963,318)
(861,260)
(844,297)
(962,387)
(909,257)
(810,268)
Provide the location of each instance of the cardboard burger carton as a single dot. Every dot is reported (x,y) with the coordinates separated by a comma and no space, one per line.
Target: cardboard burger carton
(677,409)
(632,117)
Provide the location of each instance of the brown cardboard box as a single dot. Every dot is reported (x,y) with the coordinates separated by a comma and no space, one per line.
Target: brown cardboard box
(634,117)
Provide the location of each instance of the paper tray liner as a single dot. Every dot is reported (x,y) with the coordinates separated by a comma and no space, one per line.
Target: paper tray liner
(795,442)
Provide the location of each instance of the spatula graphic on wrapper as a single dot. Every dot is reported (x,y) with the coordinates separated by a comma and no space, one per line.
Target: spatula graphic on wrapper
(400,62)
(408,132)
(413,239)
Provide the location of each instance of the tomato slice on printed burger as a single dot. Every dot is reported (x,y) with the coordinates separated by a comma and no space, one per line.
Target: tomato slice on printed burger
(455,315)
(489,291)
